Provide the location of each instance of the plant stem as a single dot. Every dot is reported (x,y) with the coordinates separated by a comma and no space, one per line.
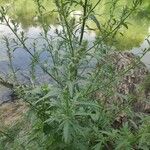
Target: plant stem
(84,21)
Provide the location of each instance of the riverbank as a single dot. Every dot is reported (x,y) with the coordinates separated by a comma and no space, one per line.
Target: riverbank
(11,112)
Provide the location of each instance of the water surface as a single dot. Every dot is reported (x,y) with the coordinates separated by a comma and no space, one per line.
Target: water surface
(24,12)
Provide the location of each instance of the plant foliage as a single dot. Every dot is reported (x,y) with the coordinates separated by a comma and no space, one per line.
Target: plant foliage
(66,113)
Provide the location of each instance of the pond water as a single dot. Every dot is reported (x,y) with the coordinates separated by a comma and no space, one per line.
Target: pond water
(24,12)
(140,50)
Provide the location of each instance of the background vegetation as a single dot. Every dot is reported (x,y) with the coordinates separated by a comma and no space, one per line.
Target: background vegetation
(24,12)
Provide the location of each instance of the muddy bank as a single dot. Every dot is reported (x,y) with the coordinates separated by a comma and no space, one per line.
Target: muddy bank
(11,112)
(131,84)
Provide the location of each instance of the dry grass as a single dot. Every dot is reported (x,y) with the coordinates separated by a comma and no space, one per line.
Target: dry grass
(12,112)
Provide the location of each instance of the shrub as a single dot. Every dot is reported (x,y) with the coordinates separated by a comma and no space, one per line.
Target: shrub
(66,113)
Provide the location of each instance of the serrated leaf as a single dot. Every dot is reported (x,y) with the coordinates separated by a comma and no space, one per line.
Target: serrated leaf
(66,131)
(71,88)
(51,94)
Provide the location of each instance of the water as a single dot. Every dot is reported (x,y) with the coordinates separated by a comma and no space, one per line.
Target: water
(140,50)
(23,13)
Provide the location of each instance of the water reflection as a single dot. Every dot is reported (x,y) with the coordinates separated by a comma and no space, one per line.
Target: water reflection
(24,13)
(140,50)
(20,56)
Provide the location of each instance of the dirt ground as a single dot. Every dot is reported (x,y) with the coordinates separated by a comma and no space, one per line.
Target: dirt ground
(11,112)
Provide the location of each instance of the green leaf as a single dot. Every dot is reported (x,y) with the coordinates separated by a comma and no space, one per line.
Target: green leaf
(71,88)
(51,94)
(121,34)
(66,131)
(92,104)
(95,117)
(93,18)
(125,25)
(98,146)
(82,114)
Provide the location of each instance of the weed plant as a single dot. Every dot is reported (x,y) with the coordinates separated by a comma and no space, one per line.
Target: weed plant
(66,113)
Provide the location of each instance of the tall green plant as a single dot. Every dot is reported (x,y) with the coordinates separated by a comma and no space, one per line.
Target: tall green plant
(66,113)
